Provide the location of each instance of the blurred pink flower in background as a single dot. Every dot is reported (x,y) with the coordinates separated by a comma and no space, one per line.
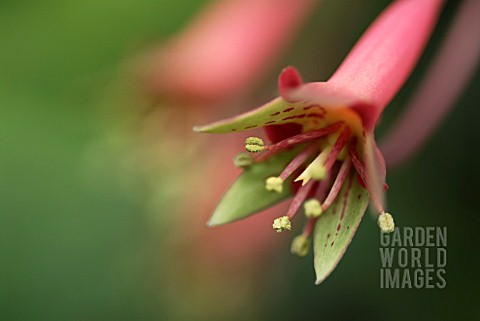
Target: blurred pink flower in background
(226,49)
(220,57)
(450,72)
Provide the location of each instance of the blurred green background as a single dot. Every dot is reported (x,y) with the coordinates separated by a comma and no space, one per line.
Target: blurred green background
(74,231)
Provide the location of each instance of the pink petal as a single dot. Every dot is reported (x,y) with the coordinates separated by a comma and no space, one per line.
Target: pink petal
(228,47)
(384,57)
(288,80)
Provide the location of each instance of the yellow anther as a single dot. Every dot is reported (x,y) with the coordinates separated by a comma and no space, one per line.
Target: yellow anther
(300,246)
(274,184)
(243,160)
(312,208)
(385,222)
(254,144)
(281,224)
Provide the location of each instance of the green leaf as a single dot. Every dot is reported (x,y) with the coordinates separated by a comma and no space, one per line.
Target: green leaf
(248,195)
(336,227)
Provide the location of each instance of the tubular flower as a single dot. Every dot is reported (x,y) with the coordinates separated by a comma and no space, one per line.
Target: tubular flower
(229,46)
(322,148)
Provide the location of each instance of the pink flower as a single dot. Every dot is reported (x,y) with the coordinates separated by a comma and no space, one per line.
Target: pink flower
(228,47)
(322,134)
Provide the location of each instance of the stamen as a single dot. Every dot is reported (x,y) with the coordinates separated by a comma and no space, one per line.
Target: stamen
(297,161)
(299,198)
(312,208)
(308,229)
(243,160)
(281,224)
(254,145)
(357,163)
(300,246)
(343,154)
(337,184)
(386,223)
(274,184)
(304,137)
(352,151)
(337,148)
(323,188)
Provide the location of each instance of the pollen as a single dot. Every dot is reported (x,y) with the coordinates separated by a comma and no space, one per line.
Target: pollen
(385,222)
(274,184)
(243,160)
(312,208)
(300,246)
(281,224)
(254,145)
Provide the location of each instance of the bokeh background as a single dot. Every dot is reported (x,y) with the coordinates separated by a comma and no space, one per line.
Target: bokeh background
(105,191)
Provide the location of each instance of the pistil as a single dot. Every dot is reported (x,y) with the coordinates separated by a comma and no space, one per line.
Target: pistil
(276,183)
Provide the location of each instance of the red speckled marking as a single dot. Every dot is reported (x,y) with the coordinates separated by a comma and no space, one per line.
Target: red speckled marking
(250,127)
(332,243)
(287,110)
(275,114)
(295,117)
(270,122)
(339,226)
(315,115)
(320,108)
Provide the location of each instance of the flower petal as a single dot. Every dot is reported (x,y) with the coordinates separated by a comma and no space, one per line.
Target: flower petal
(323,93)
(248,195)
(288,80)
(336,227)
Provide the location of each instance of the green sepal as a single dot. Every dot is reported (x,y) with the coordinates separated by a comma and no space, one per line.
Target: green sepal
(248,195)
(275,112)
(336,227)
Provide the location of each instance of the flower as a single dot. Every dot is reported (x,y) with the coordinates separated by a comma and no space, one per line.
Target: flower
(226,49)
(327,131)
